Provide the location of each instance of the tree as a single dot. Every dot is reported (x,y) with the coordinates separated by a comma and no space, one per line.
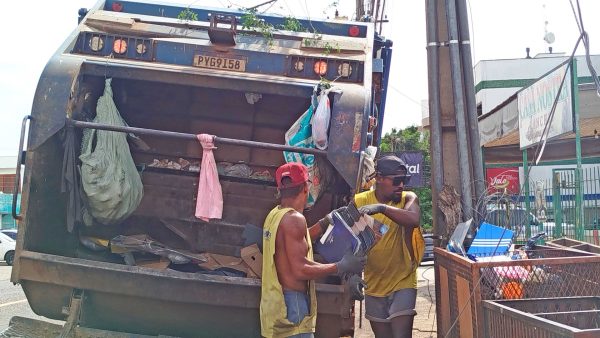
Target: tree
(412,139)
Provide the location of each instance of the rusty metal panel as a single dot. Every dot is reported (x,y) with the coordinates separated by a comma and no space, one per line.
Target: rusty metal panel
(348,131)
(146,301)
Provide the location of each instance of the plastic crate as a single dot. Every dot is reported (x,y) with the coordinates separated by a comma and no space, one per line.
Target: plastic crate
(549,317)
(554,272)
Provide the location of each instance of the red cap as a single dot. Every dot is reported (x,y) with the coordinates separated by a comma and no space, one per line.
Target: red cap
(297,172)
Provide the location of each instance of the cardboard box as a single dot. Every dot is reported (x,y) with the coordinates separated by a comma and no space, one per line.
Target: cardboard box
(253,258)
(217,261)
(160,264)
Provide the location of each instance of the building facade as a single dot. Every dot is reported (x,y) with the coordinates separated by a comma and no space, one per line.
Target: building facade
(7,182)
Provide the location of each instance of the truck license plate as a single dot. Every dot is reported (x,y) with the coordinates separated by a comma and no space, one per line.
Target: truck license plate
(215,62)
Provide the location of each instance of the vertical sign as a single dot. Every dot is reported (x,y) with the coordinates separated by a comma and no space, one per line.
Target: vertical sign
(535,104)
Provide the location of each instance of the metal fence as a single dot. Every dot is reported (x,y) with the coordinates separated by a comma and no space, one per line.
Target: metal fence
(547,272)
(553,206)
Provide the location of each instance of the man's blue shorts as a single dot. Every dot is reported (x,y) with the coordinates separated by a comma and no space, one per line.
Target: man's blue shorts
(298,307)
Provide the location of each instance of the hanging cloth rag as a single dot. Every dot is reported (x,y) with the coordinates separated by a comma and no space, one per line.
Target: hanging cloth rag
(71,181)
(209,202)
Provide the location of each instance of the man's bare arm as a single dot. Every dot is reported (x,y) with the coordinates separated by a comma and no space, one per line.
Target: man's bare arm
(410,215)
(315,231)
(293,231)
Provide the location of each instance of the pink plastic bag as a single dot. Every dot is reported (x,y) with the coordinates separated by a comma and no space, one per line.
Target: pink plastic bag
(209,202)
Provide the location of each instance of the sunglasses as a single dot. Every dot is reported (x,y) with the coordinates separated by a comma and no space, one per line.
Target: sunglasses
(396,180)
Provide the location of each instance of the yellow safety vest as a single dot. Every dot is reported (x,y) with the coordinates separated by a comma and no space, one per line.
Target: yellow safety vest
(273,311)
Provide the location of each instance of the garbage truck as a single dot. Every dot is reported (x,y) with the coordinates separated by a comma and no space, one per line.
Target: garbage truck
(176,72)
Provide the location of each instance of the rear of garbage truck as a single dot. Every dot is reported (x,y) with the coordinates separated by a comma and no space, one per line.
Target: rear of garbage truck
(174,76)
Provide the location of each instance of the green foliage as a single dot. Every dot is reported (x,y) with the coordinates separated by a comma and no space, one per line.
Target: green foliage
(187,15)
(324,83)
(251,21)
(330,48)
(292,24)
(412,139)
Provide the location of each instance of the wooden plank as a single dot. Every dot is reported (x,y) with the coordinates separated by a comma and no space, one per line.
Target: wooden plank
(463,295)
(444,302)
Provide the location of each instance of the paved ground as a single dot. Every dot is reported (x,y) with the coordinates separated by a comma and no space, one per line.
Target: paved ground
(12,299)
(424,325)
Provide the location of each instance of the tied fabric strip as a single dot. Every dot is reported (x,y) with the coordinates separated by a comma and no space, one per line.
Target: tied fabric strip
(209,202)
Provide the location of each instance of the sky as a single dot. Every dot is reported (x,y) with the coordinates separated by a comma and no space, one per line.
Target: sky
(499,30)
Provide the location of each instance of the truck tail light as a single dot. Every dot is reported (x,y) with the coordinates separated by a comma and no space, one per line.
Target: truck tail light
(345,70)
(120,46)
(96,43)
(320,67)
(353,31)
(117,6)
(299,66)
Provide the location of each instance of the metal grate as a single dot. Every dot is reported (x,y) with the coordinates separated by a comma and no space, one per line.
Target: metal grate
(543,317)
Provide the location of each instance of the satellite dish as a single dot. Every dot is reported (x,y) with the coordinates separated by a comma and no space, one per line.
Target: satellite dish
(549,38)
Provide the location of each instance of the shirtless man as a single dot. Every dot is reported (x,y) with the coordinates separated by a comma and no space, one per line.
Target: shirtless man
(288,306)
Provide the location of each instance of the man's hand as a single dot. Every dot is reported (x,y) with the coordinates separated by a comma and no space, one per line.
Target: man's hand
(373,209)
(351,264)
(356,286)
(327,220)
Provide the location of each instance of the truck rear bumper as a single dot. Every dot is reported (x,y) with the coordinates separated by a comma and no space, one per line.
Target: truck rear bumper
(147,301)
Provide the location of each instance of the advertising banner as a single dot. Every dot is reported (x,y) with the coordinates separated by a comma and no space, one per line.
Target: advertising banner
(535,104)
(503,178)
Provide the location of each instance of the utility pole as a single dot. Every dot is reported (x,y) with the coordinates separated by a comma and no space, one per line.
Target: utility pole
(360,9)
(455,152)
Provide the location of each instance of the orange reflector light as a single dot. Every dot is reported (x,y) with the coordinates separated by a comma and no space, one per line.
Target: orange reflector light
(120,46)
(320,68)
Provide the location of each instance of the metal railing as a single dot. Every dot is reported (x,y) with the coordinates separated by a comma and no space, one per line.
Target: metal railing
(553,207)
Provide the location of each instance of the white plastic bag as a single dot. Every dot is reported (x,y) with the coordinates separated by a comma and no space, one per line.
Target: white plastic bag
(321,118)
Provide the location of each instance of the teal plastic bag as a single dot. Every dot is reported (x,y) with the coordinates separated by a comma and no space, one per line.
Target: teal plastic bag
(300,135)
(112,185)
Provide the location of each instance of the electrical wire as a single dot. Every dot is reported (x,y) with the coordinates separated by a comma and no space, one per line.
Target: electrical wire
(472,32)
(268,8)
(308,16)
(406,96)
(586,44)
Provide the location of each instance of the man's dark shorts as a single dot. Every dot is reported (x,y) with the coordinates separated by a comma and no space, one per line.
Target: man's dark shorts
(398,303)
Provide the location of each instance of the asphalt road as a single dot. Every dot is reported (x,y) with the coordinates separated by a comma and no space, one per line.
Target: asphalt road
(12,299)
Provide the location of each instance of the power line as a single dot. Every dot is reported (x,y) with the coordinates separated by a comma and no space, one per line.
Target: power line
(406,96)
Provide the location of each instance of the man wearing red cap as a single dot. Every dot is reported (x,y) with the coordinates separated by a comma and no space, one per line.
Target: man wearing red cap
(288,305)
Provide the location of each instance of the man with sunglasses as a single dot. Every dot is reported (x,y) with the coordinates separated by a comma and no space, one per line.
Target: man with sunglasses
(390,273)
